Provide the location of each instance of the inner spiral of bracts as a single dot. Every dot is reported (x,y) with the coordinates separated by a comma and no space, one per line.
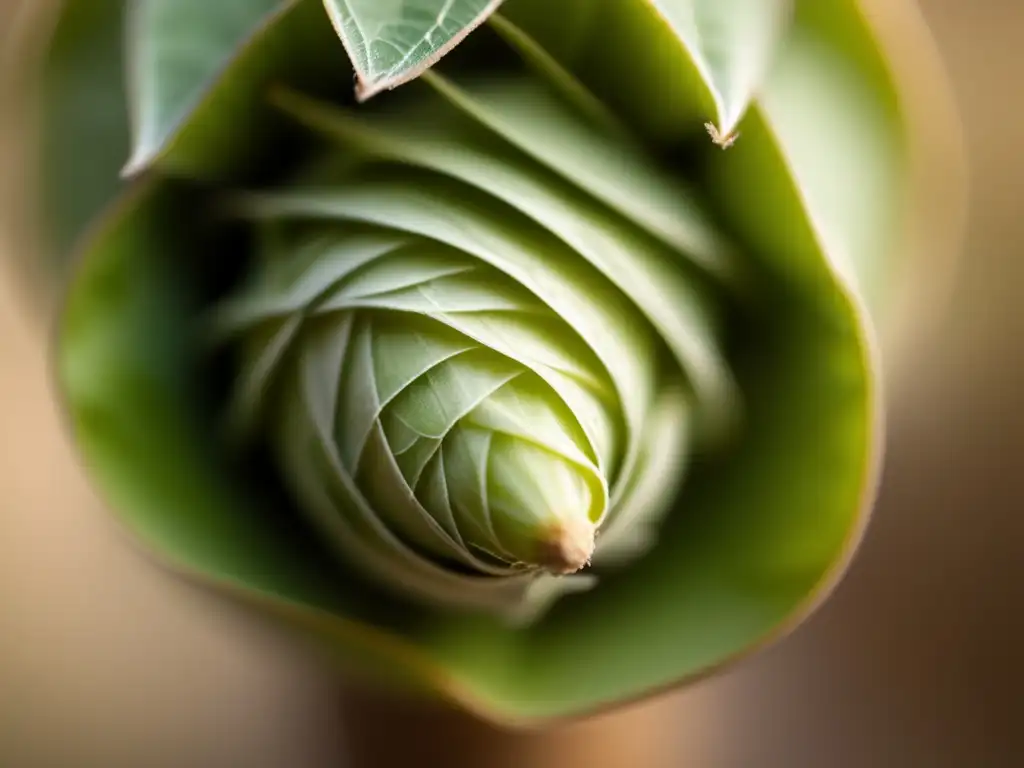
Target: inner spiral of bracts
(482,337)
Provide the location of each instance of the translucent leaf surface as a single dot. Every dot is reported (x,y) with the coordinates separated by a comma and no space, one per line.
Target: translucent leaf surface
(829,106)
(392,41)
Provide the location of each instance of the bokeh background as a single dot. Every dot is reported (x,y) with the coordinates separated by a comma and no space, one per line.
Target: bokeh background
(918,660)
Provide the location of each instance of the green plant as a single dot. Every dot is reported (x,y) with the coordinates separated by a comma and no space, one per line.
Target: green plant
(509,385)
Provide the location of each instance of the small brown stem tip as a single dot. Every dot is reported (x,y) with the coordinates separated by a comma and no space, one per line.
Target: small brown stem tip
(567,546)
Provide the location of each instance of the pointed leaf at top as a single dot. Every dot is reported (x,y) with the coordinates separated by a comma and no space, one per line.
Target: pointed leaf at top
(393,41)
(176,50)
(732,44)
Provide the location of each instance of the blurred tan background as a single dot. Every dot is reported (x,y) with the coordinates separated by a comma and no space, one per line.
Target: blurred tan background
(917,661)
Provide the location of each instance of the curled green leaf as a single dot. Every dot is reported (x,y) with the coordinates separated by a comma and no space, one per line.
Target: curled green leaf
(504,386)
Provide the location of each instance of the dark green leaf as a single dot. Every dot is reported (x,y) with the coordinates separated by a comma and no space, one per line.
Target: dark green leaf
(84,120)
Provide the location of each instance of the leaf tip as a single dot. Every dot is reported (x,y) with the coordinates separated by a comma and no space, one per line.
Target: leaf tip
(136,165)
(567,547)
(723,139)
(364,90)
(367,89)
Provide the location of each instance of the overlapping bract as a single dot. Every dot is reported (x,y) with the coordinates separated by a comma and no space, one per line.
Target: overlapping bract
(472,346)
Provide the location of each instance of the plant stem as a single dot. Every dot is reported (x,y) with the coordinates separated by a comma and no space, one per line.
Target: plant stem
(384,731)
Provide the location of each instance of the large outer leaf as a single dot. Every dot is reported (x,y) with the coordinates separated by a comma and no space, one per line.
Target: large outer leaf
(830,109)
(931,208)
(755,543)
(393,41)
(754,540)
